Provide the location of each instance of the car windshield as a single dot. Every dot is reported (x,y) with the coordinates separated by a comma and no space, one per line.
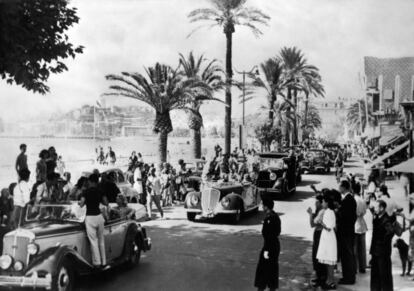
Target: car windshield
(62,212)
(272,163)
(315,154)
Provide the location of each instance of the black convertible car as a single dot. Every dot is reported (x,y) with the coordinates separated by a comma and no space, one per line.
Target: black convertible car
(278,176)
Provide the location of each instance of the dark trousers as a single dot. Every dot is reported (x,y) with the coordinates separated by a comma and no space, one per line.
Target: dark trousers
(320,269)
(381,273)
(360,252)
(347,256)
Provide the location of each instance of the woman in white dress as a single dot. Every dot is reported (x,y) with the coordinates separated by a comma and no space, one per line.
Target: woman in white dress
(327,250)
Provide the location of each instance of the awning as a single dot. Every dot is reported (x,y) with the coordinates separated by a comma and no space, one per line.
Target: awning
(384,141)
(390,153)
(404,167)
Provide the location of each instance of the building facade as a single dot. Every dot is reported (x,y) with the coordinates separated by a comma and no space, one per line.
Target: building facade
(389,81)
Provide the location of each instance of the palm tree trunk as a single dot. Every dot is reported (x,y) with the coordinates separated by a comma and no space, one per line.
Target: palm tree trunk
(305,133)
(295,121)
(287,126)
(162,146)
(196,137)
(271,112)
(229,74)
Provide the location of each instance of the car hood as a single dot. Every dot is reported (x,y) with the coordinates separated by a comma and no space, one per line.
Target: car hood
(48,228)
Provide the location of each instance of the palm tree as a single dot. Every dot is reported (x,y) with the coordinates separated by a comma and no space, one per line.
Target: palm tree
(211,74)
(300,77)
(273,83)
(356,116)
(227,14)
(310,120)
(164,89)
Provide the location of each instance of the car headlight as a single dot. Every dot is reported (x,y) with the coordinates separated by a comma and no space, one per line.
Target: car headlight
(5,262)
(194,200)
(273,176)
(18,266)
(225,202)
(32,249)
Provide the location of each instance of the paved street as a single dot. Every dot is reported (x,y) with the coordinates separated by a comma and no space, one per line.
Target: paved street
(219,256)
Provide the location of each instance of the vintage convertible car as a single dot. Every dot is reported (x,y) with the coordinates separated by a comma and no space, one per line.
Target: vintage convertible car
(230,198)
(50,248)
(333,149)
(316,160)
(278,176)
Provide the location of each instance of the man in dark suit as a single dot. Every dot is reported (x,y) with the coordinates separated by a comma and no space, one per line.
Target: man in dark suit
(346,233)
(382,233)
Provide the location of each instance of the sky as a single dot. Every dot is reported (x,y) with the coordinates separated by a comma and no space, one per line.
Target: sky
(128,35)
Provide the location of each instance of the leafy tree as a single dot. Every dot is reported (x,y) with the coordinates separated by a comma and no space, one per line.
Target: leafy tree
(228,14)
(33,41)
(266,134)
(209,72)
(164,89)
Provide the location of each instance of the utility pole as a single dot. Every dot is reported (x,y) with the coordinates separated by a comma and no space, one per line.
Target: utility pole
(242,129)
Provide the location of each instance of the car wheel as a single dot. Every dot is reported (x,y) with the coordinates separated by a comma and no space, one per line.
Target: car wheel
(64,280)
(191,216)
(134,253)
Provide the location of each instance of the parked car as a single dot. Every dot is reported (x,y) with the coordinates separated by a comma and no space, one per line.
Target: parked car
(50,248)
(230,198)
(278,176)
(316,160)
(195,166)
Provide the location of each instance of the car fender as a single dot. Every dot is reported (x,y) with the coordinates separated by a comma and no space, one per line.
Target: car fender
(236,201)
(187,203)
(48,261)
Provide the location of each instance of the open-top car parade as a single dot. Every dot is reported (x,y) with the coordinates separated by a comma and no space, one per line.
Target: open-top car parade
(50,248)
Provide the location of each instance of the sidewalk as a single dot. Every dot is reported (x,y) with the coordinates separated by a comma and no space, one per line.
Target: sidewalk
(400,283)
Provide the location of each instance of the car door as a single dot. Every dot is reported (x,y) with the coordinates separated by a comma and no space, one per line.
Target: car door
(117,237)
(249,195)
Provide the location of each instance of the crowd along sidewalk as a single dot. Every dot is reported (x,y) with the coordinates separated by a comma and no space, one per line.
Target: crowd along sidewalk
(405,283)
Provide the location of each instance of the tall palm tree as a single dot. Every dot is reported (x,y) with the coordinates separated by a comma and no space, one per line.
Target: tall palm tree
(273,83)
(164,89)
(209,72)
(301,77)
(310,119)
(227,14)
(356,116)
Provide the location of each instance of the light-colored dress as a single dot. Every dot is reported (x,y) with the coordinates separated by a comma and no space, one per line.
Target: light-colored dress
(327,250)
(138,181)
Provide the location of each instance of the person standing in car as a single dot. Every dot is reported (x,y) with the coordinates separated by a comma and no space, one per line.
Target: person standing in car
(267,272)
(94,221)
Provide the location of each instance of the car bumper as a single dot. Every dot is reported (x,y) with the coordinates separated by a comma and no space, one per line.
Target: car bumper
(213,213)
(21,281)
(270,190)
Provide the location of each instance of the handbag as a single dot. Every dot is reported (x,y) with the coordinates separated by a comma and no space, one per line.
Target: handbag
(398,228)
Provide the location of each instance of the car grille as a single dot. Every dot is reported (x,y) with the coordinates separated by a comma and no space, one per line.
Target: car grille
(16,247)
(209,199)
